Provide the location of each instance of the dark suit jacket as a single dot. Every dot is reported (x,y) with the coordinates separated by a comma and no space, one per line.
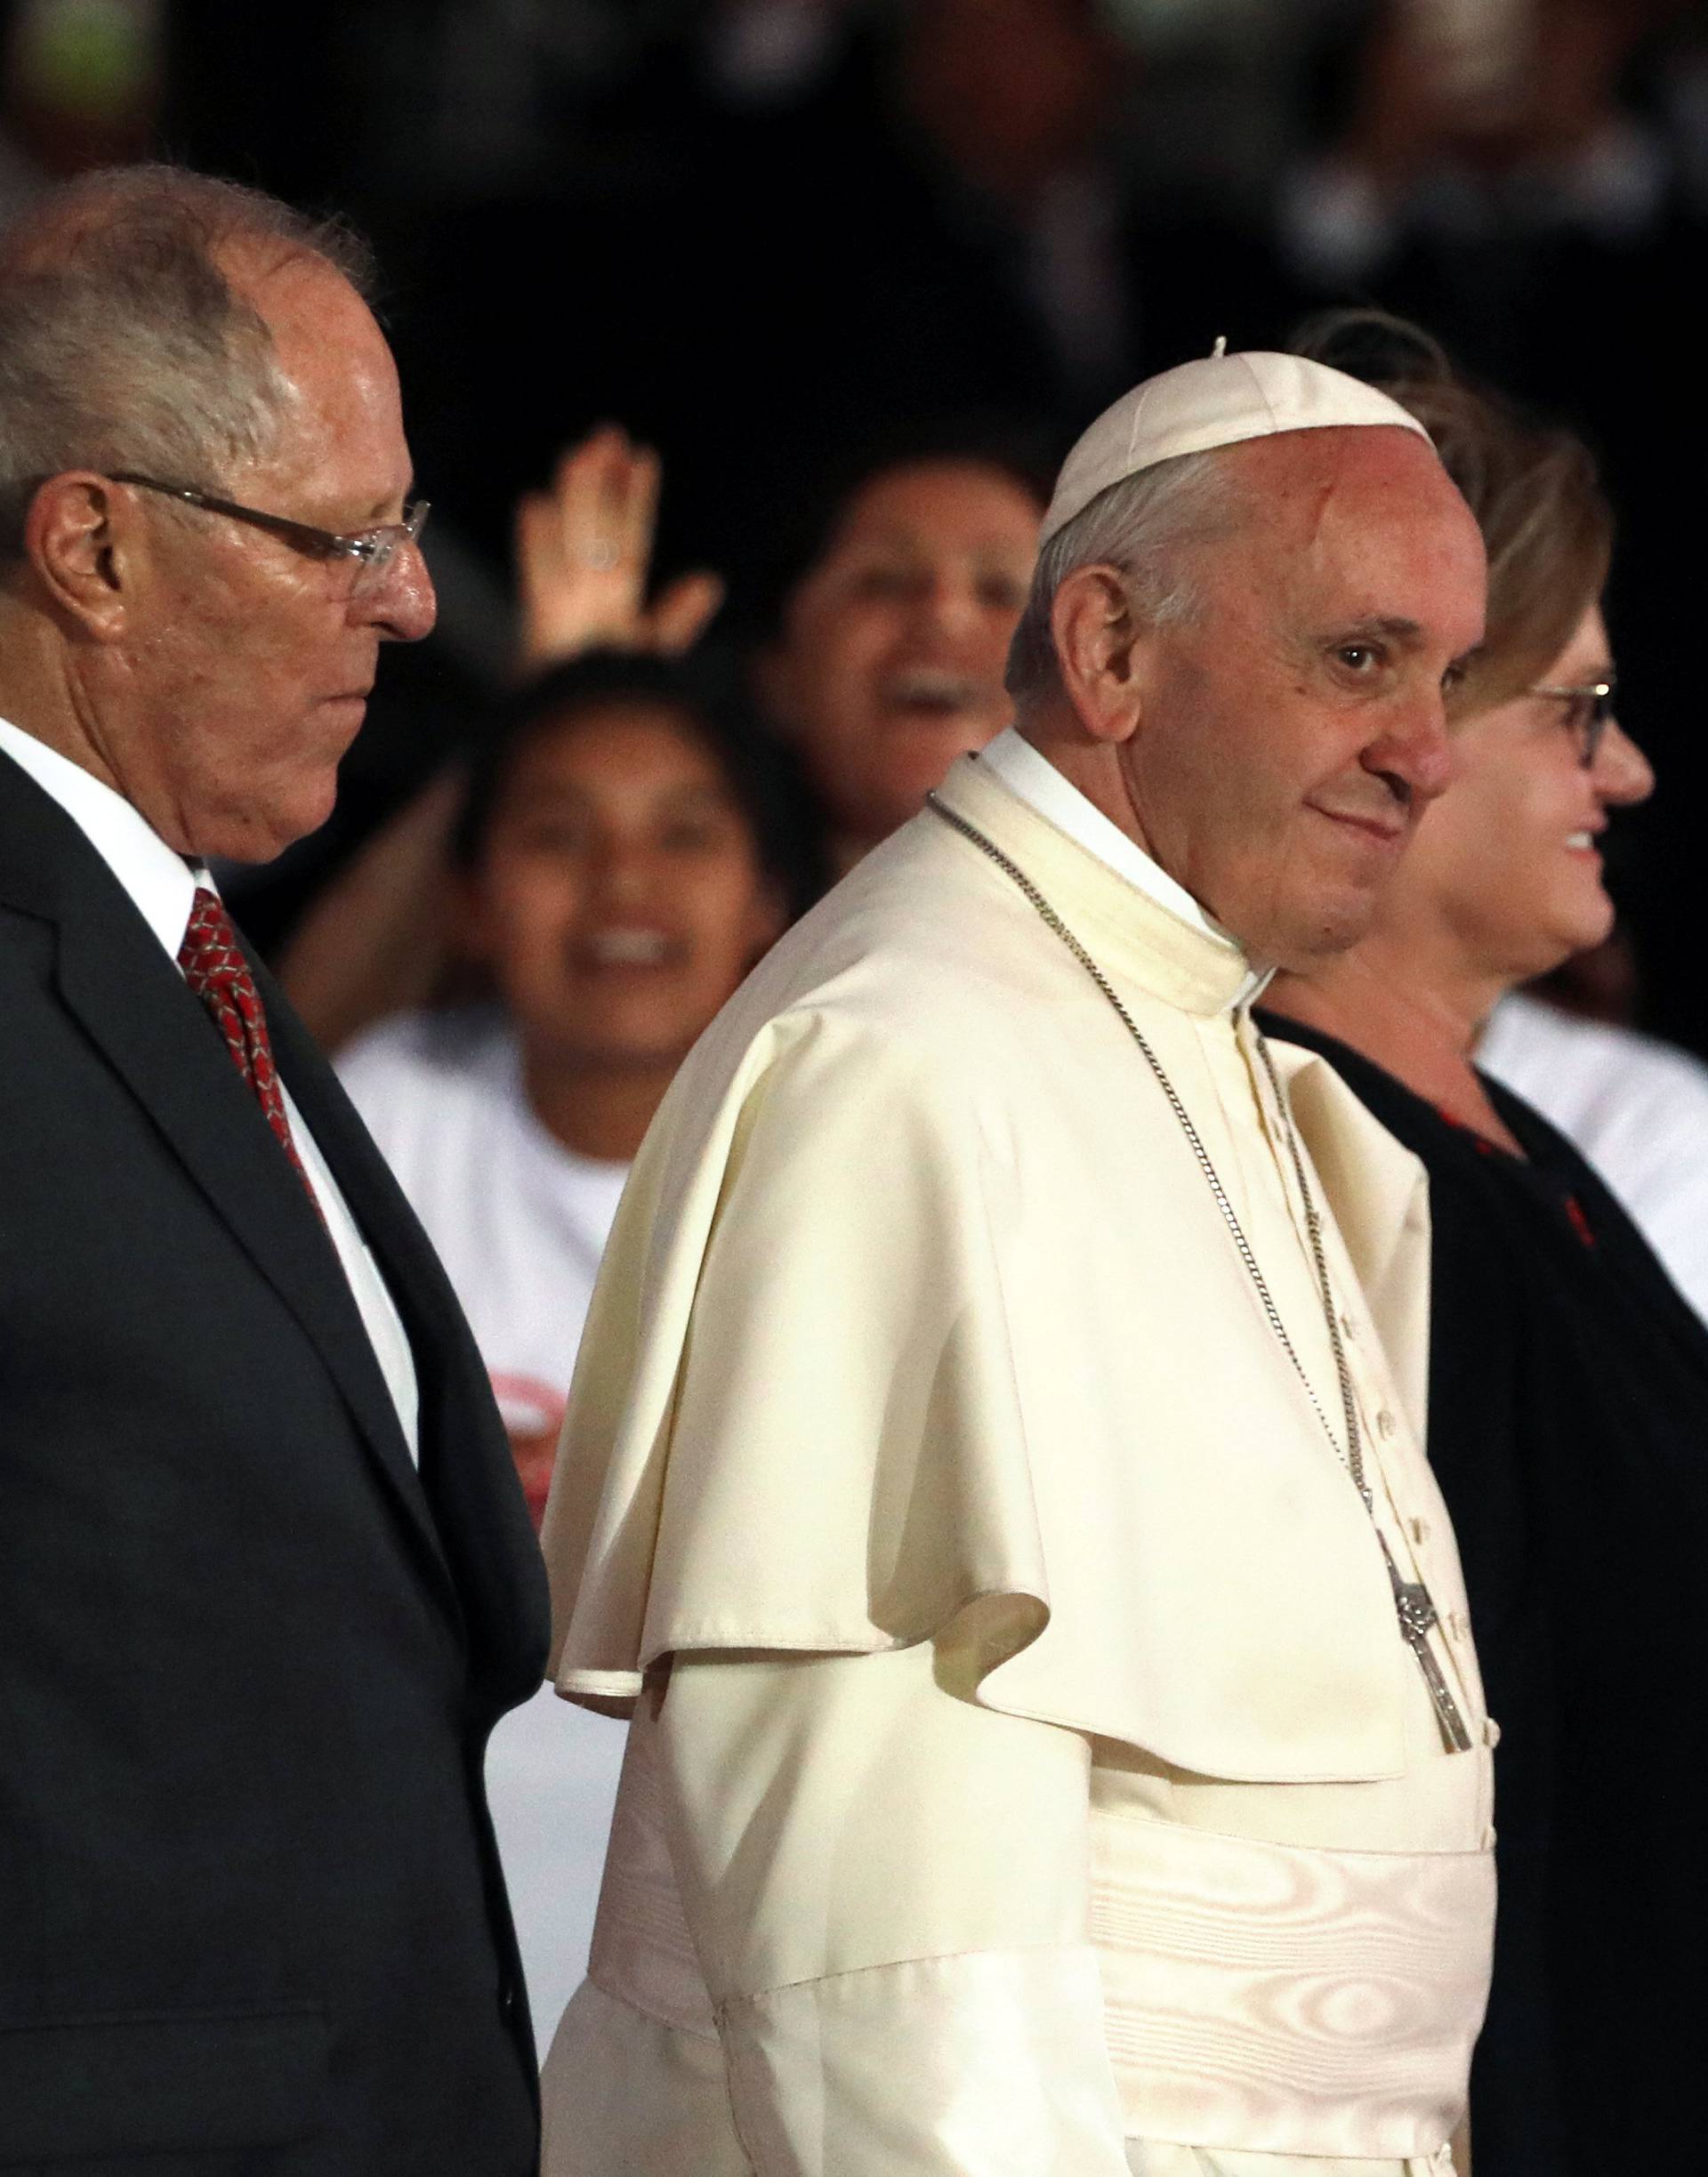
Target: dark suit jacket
(251,1917)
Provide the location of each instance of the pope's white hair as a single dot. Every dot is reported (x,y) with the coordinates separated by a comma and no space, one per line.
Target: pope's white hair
(1143,525)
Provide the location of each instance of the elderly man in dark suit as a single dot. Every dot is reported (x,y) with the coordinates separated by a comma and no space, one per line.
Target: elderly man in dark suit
(266,1578)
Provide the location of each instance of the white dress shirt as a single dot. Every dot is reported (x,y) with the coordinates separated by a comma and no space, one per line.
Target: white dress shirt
(162,887)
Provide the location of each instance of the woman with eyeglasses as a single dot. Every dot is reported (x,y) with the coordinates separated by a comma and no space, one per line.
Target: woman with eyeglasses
(1568,1381)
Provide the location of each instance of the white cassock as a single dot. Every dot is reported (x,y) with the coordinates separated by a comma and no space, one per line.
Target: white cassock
(1029,1778)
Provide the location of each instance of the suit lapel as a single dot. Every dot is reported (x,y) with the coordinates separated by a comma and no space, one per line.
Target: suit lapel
(117,981)
(465,1459)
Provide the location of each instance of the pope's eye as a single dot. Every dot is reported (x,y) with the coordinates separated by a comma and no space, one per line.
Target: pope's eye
(1359,657)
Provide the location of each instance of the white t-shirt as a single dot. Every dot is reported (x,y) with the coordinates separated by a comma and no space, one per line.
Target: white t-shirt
(519,1223)
(1637,1110)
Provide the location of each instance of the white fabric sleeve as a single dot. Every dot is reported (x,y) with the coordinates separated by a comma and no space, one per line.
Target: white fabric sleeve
(887,1889)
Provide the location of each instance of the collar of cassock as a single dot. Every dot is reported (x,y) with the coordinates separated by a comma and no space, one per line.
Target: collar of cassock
(1132,917)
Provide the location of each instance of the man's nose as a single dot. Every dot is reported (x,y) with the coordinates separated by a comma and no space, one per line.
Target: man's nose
(1623,774)
(404,607)
(1415,747)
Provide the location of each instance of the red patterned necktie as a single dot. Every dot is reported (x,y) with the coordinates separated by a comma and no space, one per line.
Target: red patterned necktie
(216,970)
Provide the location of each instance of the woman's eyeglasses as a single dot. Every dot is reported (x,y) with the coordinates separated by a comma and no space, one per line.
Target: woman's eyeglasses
(1588,715)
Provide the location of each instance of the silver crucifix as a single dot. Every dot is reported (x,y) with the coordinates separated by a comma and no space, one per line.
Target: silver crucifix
(1415,1609)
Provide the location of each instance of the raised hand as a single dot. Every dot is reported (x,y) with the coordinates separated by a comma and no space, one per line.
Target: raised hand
(584,556)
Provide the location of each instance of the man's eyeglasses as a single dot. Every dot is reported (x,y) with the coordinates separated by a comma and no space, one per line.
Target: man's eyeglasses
(372,550)
(1588,713)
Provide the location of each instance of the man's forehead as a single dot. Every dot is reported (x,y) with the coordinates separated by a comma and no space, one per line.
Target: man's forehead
(1318,487)
(342,440)
(1294,464)
(1362,526)
(303,298)
(327,342)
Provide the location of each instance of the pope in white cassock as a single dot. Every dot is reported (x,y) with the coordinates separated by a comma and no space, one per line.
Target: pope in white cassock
(994,1476)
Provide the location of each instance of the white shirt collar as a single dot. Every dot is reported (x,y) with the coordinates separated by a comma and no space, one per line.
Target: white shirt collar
(160,882)
(1036,781)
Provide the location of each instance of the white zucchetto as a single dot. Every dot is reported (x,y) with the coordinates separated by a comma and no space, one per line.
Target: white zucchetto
(1217,401)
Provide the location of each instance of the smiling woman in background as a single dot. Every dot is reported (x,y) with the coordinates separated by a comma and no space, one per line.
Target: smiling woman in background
(891,636)
(627,847)
(1568,1381)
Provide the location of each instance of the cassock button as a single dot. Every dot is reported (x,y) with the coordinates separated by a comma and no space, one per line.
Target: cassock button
(1458,1624)
(1349,1328)
(1385,1422)
(1420,1530)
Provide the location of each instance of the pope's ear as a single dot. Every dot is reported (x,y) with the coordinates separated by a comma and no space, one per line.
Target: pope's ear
(81,539)
(1096,635)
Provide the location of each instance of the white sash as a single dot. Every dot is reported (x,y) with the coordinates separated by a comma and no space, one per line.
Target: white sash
(1257,1997)
(1287,2001)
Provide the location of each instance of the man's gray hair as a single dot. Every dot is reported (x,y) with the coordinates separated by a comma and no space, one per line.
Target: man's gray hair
(123,342)
(1143,525)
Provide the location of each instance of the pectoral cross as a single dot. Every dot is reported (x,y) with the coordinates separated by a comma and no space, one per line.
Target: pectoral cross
(1415,1609)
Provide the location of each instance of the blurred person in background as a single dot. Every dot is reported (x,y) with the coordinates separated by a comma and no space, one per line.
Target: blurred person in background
(892,593)
(885,661)
(991,225)
(626,847)
(1472,142)
(1567,1380)
(989,229)
(1007,114)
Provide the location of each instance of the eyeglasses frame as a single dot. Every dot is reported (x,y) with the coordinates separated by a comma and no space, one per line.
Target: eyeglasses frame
(1601,696)
(372,549)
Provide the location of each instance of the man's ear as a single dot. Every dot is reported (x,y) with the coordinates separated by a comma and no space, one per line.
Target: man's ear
(1097,639)
(79,542)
